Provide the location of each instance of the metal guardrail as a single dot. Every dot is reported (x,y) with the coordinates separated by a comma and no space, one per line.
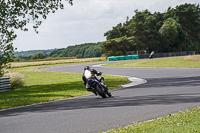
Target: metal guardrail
(171,54)
(5,84)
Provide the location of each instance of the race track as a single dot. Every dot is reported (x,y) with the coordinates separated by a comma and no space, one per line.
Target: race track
(167,90)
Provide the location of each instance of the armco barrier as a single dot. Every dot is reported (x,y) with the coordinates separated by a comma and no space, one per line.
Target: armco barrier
(5,84)
(126,57)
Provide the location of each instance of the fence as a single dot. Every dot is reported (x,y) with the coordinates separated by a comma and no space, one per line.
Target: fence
(157,55)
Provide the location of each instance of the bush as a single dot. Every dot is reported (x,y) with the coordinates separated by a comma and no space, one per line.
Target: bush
(37,56)
(192,58)
(17,59)
(79,56)
(17,79)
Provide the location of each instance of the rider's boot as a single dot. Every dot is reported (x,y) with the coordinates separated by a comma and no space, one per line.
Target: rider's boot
(94,92)
(90,89)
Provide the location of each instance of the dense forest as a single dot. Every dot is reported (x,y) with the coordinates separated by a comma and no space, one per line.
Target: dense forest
(27,54)
(86,50)
(177,29)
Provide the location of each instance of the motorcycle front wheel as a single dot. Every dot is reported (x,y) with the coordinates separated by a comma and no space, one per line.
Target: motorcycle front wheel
(108,93)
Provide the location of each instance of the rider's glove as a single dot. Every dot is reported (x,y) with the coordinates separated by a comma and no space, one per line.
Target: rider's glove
(99,73)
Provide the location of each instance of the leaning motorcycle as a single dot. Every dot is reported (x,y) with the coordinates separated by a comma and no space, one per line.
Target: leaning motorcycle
(99,88)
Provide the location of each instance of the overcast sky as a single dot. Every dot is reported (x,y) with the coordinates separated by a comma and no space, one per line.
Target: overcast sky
(86,21)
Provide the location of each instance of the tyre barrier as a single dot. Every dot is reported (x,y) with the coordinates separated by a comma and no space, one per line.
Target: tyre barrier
(125,57)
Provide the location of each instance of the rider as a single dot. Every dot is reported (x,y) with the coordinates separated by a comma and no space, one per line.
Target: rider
(89,74)
(151,55)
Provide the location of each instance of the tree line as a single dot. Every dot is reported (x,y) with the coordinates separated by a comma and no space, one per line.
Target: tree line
(86,50)
(29,53)
(177,29)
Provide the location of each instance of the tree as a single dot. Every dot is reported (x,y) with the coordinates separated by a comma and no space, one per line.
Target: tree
(169,32)
(86,50)
(117,46)
(153,38)
(159,32)
(187,15)
(79,56)
(15,14)
(139,29)
(37,56)
(116,32)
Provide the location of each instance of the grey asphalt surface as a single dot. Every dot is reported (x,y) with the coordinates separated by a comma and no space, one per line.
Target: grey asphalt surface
(168,90)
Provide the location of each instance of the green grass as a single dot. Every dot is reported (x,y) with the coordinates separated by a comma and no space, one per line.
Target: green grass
(49,86)
(43,63)
(174,62)
(181,122)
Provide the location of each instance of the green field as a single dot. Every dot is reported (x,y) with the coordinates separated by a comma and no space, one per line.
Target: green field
(173,62)
(47,62)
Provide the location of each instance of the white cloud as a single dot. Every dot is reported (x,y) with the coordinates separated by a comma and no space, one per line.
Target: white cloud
(86,21)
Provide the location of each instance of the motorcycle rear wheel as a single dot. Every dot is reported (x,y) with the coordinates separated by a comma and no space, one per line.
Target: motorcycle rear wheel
(100,91)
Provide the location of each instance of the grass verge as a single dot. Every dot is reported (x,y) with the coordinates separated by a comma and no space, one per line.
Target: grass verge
(174,62)
(181,122)
(49,86)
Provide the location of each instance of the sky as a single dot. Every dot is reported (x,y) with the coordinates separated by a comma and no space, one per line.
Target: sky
(86,21)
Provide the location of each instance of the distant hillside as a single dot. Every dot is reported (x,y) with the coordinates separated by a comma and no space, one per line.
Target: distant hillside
(86,50)
(24,54)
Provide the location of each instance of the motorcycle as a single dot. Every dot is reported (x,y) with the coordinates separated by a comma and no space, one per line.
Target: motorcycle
(151,55)
(99,88)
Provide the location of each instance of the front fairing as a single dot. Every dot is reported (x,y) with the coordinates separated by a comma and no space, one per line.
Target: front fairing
(93,82)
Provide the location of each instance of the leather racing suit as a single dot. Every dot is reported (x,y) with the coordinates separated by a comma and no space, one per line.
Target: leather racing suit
(89,74)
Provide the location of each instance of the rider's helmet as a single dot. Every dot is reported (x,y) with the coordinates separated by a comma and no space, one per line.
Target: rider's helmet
(86,68)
